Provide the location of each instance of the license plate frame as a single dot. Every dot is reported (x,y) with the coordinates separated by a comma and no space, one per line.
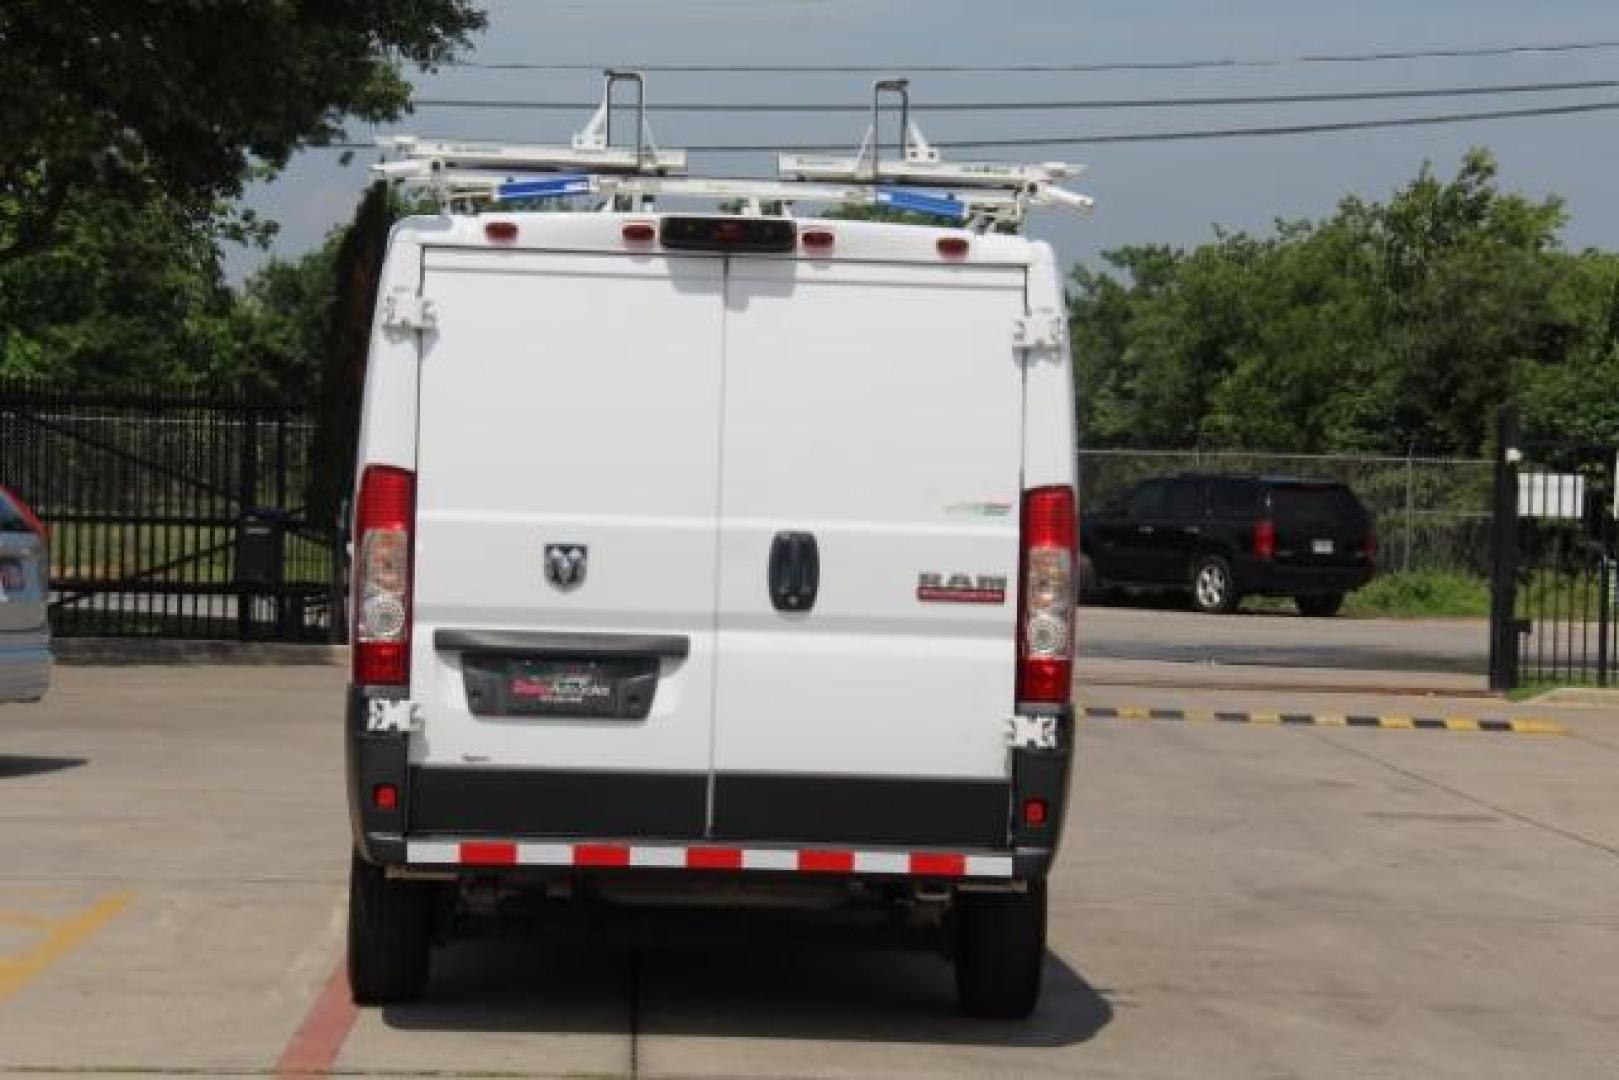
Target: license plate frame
(543,688)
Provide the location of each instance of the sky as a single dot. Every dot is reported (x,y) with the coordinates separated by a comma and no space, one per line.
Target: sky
(1146,193)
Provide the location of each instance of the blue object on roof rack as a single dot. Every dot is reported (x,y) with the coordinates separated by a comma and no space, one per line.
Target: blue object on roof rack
(918,203)
(550,186)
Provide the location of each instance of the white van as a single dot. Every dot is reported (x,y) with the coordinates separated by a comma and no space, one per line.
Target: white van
(712,558)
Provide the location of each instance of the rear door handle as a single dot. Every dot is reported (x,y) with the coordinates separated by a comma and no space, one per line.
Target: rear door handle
(795,571)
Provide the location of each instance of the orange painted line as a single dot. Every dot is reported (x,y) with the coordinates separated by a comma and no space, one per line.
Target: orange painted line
(313,1048)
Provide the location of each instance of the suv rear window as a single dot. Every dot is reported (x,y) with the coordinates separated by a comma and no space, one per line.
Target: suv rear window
(1315,501)
(1234,499)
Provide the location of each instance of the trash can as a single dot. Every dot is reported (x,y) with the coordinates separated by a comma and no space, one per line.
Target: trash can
(261,541)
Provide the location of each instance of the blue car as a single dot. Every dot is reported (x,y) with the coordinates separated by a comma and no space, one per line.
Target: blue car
(25,632)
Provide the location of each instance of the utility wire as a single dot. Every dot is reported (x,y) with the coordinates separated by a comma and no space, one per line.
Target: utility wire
(1127,137)
(1454,52)
(1035,106)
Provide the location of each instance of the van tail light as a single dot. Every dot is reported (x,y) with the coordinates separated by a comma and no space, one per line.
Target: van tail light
(1265,540)
(1045,649)
(385,516)
(26,512)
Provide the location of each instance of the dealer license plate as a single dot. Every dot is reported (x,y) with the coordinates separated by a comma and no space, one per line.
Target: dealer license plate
(619,689)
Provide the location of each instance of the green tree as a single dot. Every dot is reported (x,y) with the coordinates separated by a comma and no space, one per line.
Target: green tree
(141,99)
(1386,327)
(130,294)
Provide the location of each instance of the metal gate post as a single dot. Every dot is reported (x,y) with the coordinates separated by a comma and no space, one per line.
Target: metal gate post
(247,498)
(1607,532)
(1504,575)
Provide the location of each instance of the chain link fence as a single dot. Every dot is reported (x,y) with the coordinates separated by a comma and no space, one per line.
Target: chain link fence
(1431,513)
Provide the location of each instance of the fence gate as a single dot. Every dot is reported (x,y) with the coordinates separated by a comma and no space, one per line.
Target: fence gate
(174,517)
(1553,590)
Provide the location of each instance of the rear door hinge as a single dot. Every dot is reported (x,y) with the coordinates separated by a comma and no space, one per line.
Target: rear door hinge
(409,311)
(1042,331)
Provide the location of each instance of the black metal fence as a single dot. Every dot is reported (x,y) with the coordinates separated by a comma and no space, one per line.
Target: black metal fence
(174,516)
(1553,591)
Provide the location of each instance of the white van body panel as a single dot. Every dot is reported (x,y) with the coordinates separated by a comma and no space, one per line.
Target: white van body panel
(568,398)
(878,407)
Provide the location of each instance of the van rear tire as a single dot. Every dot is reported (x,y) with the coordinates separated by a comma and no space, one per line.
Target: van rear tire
(1000,951)
(390,935)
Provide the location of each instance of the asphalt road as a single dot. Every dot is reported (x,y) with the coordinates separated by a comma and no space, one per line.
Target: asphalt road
(1234,901)
(1458,646)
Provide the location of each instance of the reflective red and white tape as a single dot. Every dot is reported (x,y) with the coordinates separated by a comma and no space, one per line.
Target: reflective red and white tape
(666,857)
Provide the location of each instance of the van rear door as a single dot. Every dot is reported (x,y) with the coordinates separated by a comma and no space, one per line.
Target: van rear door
(569,414)
(872,466)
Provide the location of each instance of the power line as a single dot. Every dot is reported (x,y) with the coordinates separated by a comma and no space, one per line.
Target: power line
(1266,131)
(1453,52)
(1037,106)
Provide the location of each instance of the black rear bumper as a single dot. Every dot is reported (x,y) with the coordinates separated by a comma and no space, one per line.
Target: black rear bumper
(764,809)
(1259,576)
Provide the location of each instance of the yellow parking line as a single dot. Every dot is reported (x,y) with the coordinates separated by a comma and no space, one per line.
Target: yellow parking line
(64,937)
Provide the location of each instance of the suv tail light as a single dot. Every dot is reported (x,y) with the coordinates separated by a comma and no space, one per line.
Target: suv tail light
(382,559)
(1046,597)
(1265,539)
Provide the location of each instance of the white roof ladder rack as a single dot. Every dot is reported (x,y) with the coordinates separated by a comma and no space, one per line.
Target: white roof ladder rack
(435,163)
(978,194)
(919,162)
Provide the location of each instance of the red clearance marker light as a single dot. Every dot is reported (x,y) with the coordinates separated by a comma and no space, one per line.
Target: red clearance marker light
(818,240)
(953,247)
(500,232)
(1036,813)
(385,797)
(638,232)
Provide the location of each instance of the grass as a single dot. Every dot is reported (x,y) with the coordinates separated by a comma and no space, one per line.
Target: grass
(1421,594)
(113,550)
(1534,688)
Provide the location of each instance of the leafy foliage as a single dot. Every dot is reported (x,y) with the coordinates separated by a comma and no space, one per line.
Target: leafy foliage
(176,101)
(1385,328)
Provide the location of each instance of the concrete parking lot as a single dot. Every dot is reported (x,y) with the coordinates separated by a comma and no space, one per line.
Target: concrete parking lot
(1236,900)
(1158,630)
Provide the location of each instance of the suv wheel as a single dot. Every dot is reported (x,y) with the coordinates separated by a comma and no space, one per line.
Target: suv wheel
(1320,607)
(1214,590)
(1000,950)
(390,935)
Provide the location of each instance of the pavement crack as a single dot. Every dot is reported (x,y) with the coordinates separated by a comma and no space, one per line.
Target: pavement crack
(1485,804)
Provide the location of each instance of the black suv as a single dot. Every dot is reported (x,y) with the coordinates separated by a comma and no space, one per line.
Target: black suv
(1225,537)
